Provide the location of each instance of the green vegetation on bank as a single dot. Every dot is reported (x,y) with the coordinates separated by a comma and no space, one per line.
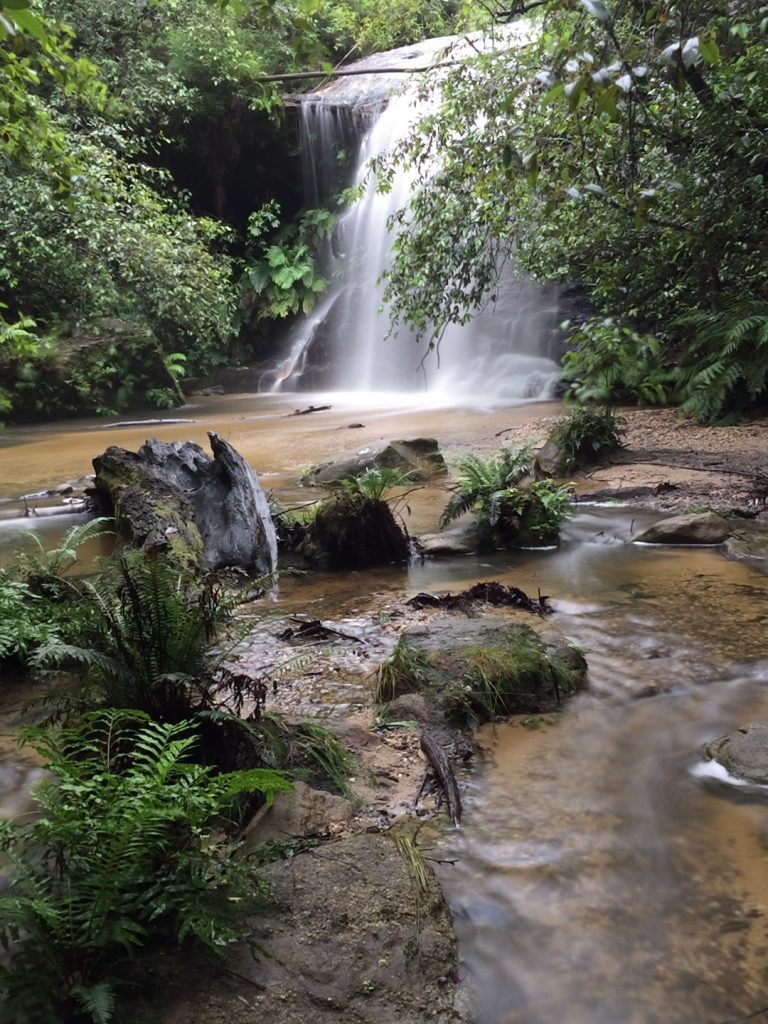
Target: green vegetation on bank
(623,147)
(156,754)
(510,507)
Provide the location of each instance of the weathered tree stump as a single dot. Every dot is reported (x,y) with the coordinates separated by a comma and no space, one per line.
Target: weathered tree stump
(173,496)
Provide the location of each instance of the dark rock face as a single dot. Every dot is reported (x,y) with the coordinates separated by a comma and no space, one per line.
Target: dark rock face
(173,495)
(695,528)
(743,753)
(420,458)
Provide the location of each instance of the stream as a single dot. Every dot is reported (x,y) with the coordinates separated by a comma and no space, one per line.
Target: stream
(597,878)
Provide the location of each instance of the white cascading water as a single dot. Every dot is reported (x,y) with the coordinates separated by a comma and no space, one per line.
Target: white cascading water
(503,355)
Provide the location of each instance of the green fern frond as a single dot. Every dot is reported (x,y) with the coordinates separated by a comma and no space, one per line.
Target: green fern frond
(98,1001)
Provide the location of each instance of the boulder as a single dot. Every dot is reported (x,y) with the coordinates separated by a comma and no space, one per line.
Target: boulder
(749,539)
(419,458)
(173,496)
(480,668)
(552,460)
(301,812)
(743,753)
(352,532)
(693,528)
(460,541)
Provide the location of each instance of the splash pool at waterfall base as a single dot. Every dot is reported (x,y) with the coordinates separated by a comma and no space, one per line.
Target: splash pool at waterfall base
(596,878)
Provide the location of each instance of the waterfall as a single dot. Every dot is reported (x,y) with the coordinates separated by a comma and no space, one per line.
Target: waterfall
(505,354)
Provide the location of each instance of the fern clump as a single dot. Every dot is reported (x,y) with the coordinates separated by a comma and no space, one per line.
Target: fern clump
(725,367)
(508,509)
(150,627)
(40,603)
(587,434)
(127,848)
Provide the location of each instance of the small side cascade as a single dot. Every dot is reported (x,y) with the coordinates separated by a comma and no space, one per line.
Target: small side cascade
(505,354)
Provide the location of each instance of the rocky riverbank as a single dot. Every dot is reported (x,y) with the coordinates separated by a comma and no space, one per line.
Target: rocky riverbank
(667,462)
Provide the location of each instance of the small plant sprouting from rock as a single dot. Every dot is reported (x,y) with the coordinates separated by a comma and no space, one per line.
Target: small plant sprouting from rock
(417,870)
(586,435)
(374,483)
(401,672)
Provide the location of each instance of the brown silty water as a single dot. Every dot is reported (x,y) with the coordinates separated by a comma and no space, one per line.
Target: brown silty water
(598,879)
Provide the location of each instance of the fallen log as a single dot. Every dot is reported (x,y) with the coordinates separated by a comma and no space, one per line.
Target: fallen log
(438,760)
(142,423)
(308,410)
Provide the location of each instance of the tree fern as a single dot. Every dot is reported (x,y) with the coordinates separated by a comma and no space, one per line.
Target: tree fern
(725,367)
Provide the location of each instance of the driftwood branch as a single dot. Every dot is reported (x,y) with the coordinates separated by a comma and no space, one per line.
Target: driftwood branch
(299,76)
(438,759)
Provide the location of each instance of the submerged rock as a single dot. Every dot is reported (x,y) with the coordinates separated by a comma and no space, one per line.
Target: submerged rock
(749,539)
(420,458)
(174,496)
(694,528)
(743,753)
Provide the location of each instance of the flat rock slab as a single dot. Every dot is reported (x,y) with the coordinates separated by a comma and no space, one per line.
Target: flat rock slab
(460,541)
(749,538)
(420,458)
(694,528)
(743,753)
(340,945)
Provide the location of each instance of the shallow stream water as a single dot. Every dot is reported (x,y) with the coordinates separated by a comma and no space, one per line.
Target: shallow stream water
(596,880)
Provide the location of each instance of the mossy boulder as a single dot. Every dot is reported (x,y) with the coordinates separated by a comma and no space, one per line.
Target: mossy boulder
(482,668)
(173,496)
(353,532)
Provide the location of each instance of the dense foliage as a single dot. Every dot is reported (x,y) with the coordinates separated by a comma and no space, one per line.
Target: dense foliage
(151,180)
(124,852)
(146,783)
(509,506)
(624,146)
